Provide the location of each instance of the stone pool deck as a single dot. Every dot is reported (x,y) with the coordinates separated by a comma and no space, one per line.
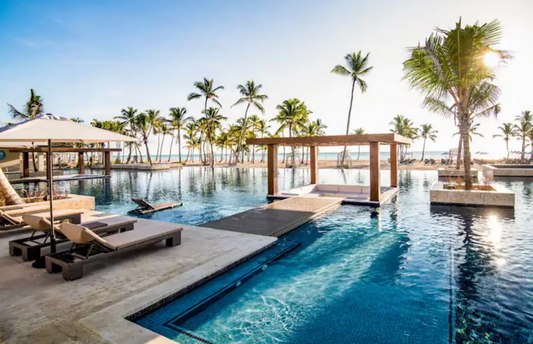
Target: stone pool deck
(38,307)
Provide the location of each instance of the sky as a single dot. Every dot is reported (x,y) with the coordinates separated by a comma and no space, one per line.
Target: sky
(90,59)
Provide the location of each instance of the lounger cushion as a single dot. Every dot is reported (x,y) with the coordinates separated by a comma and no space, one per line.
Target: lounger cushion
(38,223)
(77,233)
(136,236)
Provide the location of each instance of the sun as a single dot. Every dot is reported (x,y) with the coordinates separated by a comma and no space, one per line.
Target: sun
(491,59)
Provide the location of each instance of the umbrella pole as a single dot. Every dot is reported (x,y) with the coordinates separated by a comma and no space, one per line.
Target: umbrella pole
(50,168)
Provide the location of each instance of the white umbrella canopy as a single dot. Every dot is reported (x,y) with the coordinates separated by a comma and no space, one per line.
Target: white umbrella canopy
(58,129)
(48,129)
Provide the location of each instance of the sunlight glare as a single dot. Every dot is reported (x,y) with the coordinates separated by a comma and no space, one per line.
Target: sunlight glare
(491,59)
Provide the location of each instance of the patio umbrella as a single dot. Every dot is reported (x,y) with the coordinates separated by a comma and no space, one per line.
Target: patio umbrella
(45,129)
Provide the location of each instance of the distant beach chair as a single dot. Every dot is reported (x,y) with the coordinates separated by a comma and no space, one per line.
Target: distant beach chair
(30,248)
(143,207)
(89,247)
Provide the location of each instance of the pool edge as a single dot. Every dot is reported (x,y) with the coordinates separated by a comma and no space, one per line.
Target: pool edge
(111,323)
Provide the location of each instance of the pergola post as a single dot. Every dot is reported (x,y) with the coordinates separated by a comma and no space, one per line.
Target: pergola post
(25,164)
(313,151)
(375,181)
(81,163)
(394,165)
(107,163)
(272,159)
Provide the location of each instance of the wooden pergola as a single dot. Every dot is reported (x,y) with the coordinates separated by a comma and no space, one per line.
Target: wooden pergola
(59,149)
(373,140)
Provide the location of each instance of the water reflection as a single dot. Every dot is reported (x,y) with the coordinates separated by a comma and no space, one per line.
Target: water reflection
(478,263)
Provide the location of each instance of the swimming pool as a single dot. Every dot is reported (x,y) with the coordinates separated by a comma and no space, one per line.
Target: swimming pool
(413,273)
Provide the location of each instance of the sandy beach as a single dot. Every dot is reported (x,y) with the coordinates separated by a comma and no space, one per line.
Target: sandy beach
(361,164)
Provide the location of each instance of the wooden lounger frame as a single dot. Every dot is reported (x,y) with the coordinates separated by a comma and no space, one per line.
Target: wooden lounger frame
(143,207)
(30,253)
(71,263)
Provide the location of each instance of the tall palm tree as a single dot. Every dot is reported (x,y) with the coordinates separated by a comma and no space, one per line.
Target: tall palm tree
(427,132)
(206,90)
(164,129)
(356,67)
(179,119)
(358,131)
(523,128)
(450,65)
(144,123)
(250,96)
(128,118)
(212,121)
(508,131)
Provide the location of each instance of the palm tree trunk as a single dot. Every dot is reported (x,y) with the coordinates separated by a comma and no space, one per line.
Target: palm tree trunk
(179,143)
(523,148)
(507,145)
(161,149)
(239,147)
(358,152)
(459,152)
(148,152)
(35,167)
(423,150)
(467,158)
(129,154)
(348,124)
(170,151)
(8,194)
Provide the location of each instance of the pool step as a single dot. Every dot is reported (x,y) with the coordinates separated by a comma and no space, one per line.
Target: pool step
(197,300)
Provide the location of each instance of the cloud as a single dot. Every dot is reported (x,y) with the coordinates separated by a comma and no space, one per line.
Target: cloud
(32,43)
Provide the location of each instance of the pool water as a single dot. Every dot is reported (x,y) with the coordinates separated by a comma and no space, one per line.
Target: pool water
(407,273)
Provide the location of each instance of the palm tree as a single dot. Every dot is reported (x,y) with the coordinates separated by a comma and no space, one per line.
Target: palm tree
(250,95)
(164,130)
(32,108)
(179,119)
(523,128)
(315,128)
(293,114)
(358,131)
(356,67)
(508,131)
(128,118)
(262,128)
(144,122)
(212,121)
(450,65)
(208,91)
(405,127)
(427,132)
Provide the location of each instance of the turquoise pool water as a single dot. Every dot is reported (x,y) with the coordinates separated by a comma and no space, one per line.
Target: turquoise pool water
(410,273)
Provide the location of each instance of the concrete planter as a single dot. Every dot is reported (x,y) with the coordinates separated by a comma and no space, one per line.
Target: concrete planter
(446,172)
(499,197)
(503,170)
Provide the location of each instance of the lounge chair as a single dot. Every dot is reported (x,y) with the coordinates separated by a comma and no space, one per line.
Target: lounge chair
(143,207)
(13,219)
(30,248)
(89,247)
